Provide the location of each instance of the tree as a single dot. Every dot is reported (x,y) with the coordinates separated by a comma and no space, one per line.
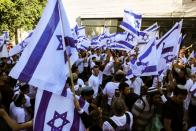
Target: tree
(17,14)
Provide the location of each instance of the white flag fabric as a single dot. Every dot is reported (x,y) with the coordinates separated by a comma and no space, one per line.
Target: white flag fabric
(146,35)
(57,113)
(20,47)
(131,22)
(171,43)
(43,62)
(128,40)
(146,64)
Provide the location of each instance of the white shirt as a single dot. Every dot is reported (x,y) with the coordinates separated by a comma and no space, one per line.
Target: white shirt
(136,85)
(126,68)
(80,64)
(108,69)
(110,90)
(119,120)
(17,113)
(188,85)
(193,69)
(94,83)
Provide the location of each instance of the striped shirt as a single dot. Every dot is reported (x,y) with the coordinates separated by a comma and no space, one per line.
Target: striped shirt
(142,113)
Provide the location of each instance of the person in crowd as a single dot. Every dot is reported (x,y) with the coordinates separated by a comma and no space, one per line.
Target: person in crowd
(121,119)
(173,110)
(144,108)
(94,80)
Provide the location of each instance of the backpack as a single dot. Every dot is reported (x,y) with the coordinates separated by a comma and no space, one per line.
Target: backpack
(125,127)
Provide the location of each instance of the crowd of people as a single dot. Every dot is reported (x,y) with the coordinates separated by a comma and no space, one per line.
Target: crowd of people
(117,101)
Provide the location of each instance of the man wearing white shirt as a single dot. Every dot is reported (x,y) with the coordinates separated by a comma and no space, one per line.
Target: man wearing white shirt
(110,87)
(94,80)
(136,83)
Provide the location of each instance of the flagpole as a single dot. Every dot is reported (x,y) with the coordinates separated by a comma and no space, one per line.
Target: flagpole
(68,59)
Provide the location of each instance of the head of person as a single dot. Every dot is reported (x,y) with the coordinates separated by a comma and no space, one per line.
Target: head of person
(24,88)
(19,100)
(180,93)
(87,93)
(153,96)
(118,107)
(96,70)
(75,78)
(120,76)
(124,88)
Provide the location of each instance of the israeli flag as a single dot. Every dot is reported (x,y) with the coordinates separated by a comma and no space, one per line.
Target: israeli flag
(147,61)
(4,51)
(20,47)
(171,43)
(126,39)
(131,22)
(6,35)
(57,113)
(44,61)
(146,35)
(2,40)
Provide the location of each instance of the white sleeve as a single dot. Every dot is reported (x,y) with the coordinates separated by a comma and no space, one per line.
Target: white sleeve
(131,119)
(28,102)
(107,126)
(105,89)
(90,82)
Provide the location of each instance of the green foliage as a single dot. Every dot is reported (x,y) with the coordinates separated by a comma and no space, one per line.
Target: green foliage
(16,14)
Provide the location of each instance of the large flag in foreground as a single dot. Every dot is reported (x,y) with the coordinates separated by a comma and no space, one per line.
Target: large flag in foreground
(147,61)
(57,113)
(171,43)
(44,61)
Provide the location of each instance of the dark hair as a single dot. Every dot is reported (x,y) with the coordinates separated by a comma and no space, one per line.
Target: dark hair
(24,87)
(118,106)
(18,99)
(96,66)
(122,86)
(119,77)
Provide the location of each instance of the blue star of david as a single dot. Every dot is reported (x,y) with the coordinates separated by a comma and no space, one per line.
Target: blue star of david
(169,58)
(63,116)
(130,37)
(137,24)
(108,41)
(60,46)
(145,37)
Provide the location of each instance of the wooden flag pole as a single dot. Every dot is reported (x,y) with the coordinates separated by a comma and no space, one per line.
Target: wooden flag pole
(68,59)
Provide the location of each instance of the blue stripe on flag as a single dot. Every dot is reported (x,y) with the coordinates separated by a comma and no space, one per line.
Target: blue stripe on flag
(126,44)
(41,46)
(167,49)
(76,120)
(150,69)
(129,27)
(136,16)
(41,112)
(148,51)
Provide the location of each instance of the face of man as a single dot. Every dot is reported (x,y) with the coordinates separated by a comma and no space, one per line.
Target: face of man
(126,91)
(156,99)
(96,71)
